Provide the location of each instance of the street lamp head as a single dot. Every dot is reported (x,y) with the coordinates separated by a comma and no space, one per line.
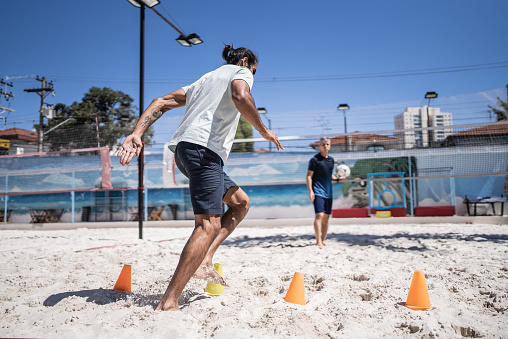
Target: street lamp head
(194,39)
(182,40)
(262,110)
(188,41)
(343,107)
(430,95)
(147,3)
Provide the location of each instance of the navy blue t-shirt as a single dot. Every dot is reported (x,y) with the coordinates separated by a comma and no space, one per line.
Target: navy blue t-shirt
(322,177)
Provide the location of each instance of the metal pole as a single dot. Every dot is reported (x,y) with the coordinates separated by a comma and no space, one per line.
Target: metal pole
(40,140)
(345,131)
(163,18)
(6,210)
(73,196)
(270,128)
(428,125)
(141,104)
(97,129)
(411,202)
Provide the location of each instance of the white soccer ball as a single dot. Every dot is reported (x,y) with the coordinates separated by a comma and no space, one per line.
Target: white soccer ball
(342,171)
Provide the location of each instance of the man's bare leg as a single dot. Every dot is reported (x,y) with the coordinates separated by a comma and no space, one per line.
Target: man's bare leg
(318,229)
(206,229)
(324,227)
(238,205)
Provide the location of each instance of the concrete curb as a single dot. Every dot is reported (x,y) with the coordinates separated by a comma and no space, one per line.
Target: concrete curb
(474,220)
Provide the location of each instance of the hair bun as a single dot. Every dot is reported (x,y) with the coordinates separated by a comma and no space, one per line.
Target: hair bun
(227,53)
(233,55)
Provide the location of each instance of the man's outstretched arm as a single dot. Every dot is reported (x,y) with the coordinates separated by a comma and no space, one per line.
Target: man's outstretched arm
(245,104)
(132,144)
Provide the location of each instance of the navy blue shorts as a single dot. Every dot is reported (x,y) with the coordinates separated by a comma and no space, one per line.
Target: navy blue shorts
(322,205)
(207,181)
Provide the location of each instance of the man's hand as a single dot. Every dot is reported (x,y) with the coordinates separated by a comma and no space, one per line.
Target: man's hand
(131,146)
(245,104)
(272,137)
(312,196)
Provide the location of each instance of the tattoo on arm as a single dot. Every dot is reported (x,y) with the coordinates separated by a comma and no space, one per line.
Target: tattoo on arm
(157,114)
(146,122)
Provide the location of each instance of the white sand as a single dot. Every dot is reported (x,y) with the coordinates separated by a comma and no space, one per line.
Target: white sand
(355,287)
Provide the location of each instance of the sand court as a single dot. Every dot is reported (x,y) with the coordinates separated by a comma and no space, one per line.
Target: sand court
(59,283)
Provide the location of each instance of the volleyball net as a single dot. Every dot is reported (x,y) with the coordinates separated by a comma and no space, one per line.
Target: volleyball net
(71,170)
(466,151)
(386,171)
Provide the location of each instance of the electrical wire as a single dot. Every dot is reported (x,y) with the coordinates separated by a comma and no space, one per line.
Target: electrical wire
(426,71)
(451,69)
(174,20)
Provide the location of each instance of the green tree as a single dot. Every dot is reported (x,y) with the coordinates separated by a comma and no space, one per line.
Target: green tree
(113,110)
(244,131)
(502,113)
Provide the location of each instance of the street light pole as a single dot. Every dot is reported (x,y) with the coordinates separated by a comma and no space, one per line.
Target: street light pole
(344,108)
(141,158)
(429,95)
(262,110)
(184,40)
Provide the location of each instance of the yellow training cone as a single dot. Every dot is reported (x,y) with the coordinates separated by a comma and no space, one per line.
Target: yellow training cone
(215,289)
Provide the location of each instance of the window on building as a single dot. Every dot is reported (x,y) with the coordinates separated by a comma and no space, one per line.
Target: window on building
(375,148)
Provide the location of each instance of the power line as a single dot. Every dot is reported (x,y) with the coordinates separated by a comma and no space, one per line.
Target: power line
(391,74)
(425,71)
(176,23)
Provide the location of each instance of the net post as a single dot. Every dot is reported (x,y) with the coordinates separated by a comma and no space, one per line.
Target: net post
(72,195)
(6,210)
(141,191)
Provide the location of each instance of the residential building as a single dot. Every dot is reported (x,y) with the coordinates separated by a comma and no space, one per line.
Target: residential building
(361,142)
(495,134)
(422,117)
(20,140)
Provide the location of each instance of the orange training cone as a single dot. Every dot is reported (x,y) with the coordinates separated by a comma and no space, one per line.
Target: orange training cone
(418,297)
(296,291)
(123,284)
(212,288)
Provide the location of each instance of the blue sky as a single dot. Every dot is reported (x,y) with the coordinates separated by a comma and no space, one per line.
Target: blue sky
(312,56)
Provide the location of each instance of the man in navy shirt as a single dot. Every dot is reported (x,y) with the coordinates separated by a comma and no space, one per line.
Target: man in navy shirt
(319,183)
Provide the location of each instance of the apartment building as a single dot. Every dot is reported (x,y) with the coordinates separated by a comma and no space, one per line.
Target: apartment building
(422,117)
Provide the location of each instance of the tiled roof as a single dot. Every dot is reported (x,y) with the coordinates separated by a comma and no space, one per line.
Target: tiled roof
(500,128)
(18,134)
(358,138)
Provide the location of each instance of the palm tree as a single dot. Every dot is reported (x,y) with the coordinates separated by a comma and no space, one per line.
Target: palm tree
(502,114)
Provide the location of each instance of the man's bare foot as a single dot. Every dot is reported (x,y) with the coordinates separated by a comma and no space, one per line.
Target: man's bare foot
(209,274)
(324,244)
(320,244)
(173,308)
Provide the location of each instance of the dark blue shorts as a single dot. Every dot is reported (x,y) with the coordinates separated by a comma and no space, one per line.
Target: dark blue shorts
(207,181)
(322,205)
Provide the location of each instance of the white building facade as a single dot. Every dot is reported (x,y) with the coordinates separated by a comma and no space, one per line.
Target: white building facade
(422,117)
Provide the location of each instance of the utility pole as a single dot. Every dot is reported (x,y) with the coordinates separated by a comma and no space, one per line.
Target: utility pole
(6,96)
(43,92)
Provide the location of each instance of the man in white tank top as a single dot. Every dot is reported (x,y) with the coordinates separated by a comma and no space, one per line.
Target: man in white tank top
(202,143)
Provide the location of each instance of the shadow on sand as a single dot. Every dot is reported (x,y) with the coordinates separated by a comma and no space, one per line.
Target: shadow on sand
(106,296)
(98,296)
(414,240)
